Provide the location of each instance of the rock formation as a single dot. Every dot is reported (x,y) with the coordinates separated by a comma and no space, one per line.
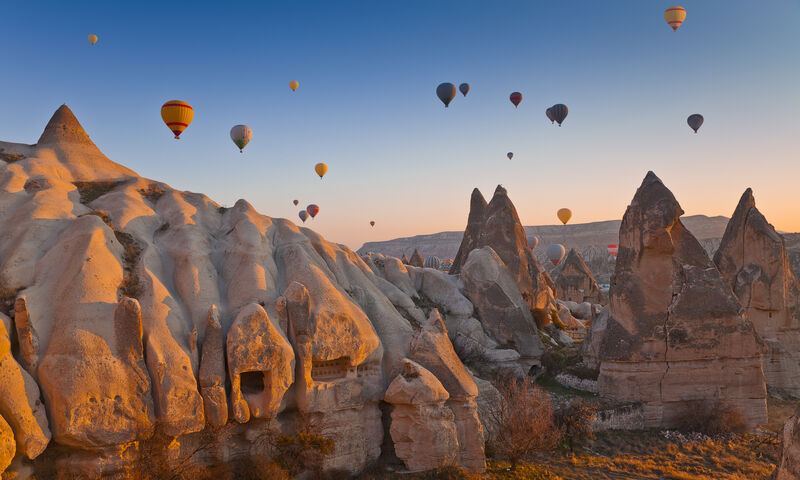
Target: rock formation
(405,260)
(497,225)
(132,296)
(416,259)
(753,261)
(423,428)
(575,282)
(675,333)
(789,464)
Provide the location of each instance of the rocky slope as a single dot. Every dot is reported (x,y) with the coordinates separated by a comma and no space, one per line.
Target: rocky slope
(674,334)
(588,239)
(144,314)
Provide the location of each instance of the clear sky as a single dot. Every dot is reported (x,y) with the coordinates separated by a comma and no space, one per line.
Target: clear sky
(367,107)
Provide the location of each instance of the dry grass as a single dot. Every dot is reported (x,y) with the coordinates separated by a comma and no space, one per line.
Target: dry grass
(153,192)
(90,191)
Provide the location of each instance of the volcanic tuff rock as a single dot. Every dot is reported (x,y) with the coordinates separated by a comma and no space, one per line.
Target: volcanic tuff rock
(497,225)
(753,260)
(675,332)
(575,282)
(416,260)
(305,325)
(789,465)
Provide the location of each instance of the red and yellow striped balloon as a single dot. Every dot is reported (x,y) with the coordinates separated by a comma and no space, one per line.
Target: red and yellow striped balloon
(674,17)
(177,115)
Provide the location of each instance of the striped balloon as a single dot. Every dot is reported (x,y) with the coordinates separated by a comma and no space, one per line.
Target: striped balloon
(433,262)
(177,115)
(675,17)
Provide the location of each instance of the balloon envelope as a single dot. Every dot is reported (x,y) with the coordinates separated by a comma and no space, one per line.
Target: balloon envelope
(549,113)
(241,135)
(533,242)
(92,39)
(303,215)
(321,169)
(372,223)
(675,16)
(559,112)
(555,253)
(312,210)
(564,214)
(433,262)
(177,114)
(295,201)
(515,98)
(613,249)
(446,93)
(695,121)
(294,84)
(464,89)
(510,155)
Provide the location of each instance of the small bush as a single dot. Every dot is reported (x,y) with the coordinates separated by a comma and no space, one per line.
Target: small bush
(710,418)
(91,191)
(153,192)
(575,423)
(303,452)
(557,360)
(522,421)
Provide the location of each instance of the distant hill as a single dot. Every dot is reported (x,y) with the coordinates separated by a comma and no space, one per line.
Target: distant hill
(589,239)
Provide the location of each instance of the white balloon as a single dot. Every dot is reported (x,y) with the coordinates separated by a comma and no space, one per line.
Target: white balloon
(555,253)
(241,135)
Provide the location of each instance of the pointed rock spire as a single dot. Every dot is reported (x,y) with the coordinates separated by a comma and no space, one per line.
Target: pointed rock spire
(63,127)
(477,211)
(575,282)
(416,259)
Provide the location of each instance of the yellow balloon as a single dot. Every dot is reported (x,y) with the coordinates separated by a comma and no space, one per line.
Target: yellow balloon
(674,17)
(294,84)
(321,169)
(92,39)
(564,215)
(177,115)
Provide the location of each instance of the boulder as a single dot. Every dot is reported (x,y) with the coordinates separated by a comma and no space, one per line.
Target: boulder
(7,446)
(753,260)
(260,365)
(575,282)
(423,428)
(503,312)
(675,334)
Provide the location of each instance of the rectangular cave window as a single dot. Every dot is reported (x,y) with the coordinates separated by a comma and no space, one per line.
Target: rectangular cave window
(329,369)
(252,382)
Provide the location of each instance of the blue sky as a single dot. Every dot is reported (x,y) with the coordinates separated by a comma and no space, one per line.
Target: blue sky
(366,105)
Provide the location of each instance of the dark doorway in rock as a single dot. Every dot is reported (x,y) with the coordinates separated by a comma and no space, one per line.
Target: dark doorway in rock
(252,382)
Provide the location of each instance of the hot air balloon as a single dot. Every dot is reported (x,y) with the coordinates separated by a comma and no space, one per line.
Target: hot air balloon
(372,223)
(312,210)
(321,170)
(433,262)
(555,253)
(559,112)
(92,39)
(295,202)
(510,155)
(241,135)
(294,84)
(695,120)
(177,115)
(533,242)
(516,98)
(549,113)
(464,89)
(446,93)
(564,214)
(613,249)
(303,215)
(675,17)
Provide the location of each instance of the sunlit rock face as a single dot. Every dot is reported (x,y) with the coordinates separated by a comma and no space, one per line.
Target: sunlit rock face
(753,261)
(675,332)
(575,282)
(789,464)
(138,305)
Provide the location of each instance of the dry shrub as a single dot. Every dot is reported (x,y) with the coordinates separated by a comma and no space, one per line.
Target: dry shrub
(10,157)
(303,452)
(90,191)
(153,192)
(711,418)
(522,422)
(575,423)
